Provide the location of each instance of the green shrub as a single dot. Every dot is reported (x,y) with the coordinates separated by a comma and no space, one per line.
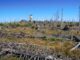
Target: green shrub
(55,39)
(1,24)
(52,39)
(44,38)
(28,25)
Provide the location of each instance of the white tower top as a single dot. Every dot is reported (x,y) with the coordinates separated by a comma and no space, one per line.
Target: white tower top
(30,18)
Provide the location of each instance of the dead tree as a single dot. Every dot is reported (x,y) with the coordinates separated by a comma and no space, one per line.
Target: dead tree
(75,47)
(61,18)
(79,17)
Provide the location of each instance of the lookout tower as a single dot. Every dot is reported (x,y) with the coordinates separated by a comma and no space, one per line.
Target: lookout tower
(30,18)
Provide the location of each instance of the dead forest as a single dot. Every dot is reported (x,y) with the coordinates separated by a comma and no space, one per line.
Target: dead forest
(40,40)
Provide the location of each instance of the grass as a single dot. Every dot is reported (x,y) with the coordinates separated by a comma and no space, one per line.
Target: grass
(58,45)
(9,58)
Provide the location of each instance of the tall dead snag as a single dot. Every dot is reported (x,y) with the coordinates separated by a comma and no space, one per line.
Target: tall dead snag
(61,18)
(79,17)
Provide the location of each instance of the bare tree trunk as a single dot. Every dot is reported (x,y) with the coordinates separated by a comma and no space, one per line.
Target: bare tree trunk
(75,47)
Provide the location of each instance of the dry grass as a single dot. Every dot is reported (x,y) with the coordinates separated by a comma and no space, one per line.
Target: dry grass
(62,47)
(59,47)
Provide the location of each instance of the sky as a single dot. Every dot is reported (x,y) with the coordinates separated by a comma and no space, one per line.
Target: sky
(15,10)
